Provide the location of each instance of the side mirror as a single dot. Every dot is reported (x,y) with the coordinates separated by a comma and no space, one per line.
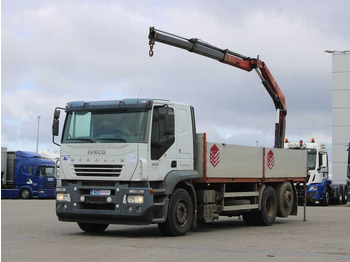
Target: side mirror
(56,124)
(55,127)
(56,114)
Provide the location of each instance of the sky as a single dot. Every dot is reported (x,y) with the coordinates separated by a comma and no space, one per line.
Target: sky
(57,51)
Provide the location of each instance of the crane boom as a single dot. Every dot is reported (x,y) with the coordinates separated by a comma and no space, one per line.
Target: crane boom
(234,59)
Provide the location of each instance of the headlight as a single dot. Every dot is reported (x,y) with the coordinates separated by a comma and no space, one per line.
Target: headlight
(134,199)
(313,188)
(63,197)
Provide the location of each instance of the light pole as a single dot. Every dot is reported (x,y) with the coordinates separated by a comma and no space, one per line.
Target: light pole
(37,135)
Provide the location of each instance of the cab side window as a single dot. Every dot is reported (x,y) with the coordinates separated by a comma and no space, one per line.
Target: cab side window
(163,130)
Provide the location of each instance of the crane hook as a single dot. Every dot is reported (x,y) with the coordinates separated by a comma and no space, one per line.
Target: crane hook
(151,44)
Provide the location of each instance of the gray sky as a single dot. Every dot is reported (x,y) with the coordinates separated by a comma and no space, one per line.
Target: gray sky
(59,51)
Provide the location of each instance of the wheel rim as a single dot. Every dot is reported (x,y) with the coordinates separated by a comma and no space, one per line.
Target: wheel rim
(25,193)
(181,213)
(270,206)
(327,197)
(287,199)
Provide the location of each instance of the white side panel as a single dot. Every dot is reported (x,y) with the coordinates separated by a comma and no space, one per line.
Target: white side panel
(341,62)
(285,163)
(341,117)
(340,81)
(231,161)
(339,173)
(338,154)
(184,138)
(341,135)
(341,98)
(199,154)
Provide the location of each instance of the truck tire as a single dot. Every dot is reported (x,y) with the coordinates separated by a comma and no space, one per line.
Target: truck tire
(339,199)
(267,215)
(180,214)
(285,199)
(92,228)
(325,200)
(25,193)
(345,195)
(249,218)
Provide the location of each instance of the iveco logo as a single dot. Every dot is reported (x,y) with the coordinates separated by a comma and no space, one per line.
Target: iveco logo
(96,152)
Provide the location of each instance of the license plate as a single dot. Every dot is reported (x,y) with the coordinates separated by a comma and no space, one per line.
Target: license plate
(100,192)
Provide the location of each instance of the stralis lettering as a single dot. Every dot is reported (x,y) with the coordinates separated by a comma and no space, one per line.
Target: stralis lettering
(96,152)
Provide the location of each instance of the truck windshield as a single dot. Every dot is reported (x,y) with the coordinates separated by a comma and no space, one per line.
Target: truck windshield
(311,159)
(46,171)
(122,126)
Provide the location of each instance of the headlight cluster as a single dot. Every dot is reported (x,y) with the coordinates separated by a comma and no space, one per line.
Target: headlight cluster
(313,188)
(63,197)
(135,199)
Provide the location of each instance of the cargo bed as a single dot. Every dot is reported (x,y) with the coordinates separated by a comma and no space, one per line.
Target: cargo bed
(217,162)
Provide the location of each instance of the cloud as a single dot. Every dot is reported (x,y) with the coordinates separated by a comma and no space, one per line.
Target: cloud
(59,51)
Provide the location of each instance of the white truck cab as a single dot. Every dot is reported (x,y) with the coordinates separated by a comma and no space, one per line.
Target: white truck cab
(319,187)
(317,159)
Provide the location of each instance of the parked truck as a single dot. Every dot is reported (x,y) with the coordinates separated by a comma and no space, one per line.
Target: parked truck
(319,187)
(26,175)
(141,161)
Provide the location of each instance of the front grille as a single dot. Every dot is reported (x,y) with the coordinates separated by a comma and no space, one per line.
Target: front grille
(98,183)
(98,170)
(93,206)
(95,199)
(50,185)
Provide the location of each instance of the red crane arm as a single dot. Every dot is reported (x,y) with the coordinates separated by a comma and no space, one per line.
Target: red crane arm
(234,59)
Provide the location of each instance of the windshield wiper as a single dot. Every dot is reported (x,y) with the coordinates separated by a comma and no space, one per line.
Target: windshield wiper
(113,139)
(81,139)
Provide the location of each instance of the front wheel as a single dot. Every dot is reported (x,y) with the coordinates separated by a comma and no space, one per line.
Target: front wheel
(26,194)
(180,214)
(93,228)
(325,200)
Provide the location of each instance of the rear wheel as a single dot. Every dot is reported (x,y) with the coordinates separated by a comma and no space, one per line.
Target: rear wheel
(26,194)
(285,199)
(339,199)
(267,215)
(180,214)
(93,228)
(345,195)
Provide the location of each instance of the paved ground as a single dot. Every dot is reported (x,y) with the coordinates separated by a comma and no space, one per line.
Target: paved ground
(30,231)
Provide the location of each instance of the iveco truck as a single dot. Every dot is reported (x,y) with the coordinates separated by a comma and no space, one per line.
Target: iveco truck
(141,161)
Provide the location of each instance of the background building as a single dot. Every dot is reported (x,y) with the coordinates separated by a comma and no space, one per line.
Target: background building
(340,113)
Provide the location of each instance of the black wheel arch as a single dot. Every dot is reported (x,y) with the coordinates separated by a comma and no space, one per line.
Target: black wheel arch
(182,179)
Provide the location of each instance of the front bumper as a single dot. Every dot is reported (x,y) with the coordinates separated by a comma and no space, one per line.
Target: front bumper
(47,193)
(109,209)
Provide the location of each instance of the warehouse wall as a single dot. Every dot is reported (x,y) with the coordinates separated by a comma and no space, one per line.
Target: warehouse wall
(340,114)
